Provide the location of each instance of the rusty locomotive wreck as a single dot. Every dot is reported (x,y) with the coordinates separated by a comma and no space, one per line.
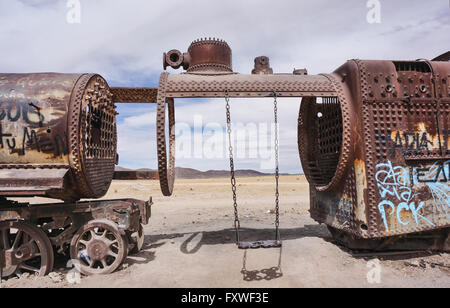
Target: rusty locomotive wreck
(373,139)
(58,140)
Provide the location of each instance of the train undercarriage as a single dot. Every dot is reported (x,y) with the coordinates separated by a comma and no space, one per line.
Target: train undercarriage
(96,236)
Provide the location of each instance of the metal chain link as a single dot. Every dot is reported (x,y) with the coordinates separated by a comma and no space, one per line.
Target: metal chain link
(277,170)
(237,224)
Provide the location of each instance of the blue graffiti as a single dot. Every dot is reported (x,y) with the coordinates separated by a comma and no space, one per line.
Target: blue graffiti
(436,178)
(394,182)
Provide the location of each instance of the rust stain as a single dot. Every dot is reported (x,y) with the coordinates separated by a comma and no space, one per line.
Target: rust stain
(361,186)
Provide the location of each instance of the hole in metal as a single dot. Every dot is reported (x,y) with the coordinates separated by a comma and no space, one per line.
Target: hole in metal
(322,135)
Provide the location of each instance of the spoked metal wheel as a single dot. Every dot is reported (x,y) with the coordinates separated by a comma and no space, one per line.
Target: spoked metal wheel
(100,247)
(27,249)
(136,240)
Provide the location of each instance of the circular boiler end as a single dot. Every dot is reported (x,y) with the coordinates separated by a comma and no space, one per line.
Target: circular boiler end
(320,134)
(93,136)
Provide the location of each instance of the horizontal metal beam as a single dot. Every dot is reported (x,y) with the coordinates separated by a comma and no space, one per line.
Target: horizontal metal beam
(233,85)
(134,95)
(237,85)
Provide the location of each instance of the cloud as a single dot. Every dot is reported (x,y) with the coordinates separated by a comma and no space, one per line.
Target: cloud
(123,40)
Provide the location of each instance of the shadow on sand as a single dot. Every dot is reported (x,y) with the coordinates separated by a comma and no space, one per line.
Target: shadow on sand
(227,236)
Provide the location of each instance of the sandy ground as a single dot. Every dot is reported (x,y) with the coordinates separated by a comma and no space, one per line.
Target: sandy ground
(189,243)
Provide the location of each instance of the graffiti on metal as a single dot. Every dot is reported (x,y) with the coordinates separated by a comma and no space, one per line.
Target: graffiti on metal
(415,142)
(23,127)
(400,189)
(339,207)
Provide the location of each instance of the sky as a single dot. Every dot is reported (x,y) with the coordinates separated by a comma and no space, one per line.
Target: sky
(123,40)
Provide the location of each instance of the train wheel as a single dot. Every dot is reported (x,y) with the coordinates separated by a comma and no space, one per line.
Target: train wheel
(27,248)
(137,240)
(100,247)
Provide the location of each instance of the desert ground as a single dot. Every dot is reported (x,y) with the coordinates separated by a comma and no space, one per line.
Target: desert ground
(189,242)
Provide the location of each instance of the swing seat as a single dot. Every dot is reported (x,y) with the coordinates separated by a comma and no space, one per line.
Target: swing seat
(260,244)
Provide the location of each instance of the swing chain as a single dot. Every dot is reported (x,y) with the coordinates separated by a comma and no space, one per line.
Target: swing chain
(237,224)
(277,170)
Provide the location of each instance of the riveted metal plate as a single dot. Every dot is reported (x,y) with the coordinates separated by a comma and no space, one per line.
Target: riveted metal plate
(407,171)
(134,95)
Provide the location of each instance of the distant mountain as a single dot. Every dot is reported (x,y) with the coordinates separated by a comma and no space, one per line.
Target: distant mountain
(118,168)
(189,173)
(146,169)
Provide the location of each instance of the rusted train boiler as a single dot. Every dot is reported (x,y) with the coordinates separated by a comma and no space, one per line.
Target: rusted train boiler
(373,139)
(57,136)
(377,155)
(58,140)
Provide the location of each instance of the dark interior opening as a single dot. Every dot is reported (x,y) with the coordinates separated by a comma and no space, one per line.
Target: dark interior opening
(321,138)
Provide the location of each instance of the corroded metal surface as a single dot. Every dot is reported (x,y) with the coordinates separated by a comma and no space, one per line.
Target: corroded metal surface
(237,85)
(436,240)
(320,136)
(26,248)
(166,159)
(262,66)
(373,139)
(134,95)
(136,175)
(99,247)
(210,55)
(33,115)
(396,181)
(204,56)
(59,122)
(59,222)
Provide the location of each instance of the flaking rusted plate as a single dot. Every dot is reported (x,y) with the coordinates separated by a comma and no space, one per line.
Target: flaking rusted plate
(134,95)
(36,180)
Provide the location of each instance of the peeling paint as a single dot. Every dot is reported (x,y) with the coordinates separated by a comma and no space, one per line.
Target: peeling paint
(361,186)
